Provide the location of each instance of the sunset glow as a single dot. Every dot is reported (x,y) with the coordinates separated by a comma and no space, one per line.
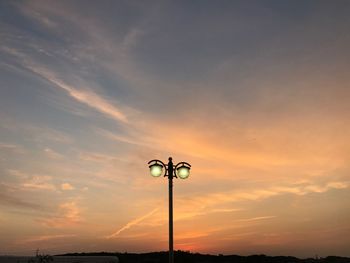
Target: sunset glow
(255,95)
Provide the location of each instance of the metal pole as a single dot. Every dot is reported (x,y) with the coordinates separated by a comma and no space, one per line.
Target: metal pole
(171,243)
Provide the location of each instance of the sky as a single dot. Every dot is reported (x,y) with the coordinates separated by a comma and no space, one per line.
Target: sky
(253,94)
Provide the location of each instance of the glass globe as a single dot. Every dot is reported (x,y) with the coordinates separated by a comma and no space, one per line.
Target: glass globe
(183,172)
(156,170)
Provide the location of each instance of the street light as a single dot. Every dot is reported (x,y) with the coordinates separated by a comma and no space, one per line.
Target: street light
(182,170)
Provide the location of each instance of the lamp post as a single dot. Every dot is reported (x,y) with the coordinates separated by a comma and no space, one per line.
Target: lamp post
(182,170)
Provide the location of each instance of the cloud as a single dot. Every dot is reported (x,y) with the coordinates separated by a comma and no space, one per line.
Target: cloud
(68,214)
(12,147)
(53,154)
(49,134)
(256,218)
(17,173)
(67,186)
(132,223)
(44,238)
(205,204)
(42,182)
(85,96)
(96,157)
(38,16)
(35,132)
(10,198)
(32,181)
(126,139)
(192,235)
(186,214)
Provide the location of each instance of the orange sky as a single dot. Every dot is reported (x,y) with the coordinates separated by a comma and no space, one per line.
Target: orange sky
(254,95)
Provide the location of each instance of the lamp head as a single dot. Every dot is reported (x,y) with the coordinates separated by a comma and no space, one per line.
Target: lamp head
(156,169)
(183,171)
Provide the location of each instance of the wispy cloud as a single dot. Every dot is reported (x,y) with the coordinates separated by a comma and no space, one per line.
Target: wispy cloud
(17,173)
(132,223)
(207,203)
(52,154)
(256,218)
(201,211)
(85,96)
(33,132)
(42,182)
(44,238)
(29,181)
(67,187)
(117,137)
(68,214)
(12,200)
(96,157)
(12,147)
(38,16)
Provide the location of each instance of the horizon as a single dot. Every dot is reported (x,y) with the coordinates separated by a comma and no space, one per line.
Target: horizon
(100,253)
(253,94)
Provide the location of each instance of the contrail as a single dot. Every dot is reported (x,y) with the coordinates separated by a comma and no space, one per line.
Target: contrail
(87,97)
(132,223)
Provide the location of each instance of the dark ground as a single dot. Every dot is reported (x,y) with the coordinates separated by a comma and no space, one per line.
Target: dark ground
(187,257)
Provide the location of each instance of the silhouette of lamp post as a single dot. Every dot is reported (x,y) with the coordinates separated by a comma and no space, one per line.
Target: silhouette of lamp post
(182,170)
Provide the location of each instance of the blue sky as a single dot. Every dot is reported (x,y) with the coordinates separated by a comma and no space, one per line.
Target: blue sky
(254,94)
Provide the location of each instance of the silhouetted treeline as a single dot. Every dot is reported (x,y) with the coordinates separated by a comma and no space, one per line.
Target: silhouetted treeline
(187,257)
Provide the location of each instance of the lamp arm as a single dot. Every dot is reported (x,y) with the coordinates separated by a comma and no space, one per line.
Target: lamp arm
(157,161)
(181,163)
